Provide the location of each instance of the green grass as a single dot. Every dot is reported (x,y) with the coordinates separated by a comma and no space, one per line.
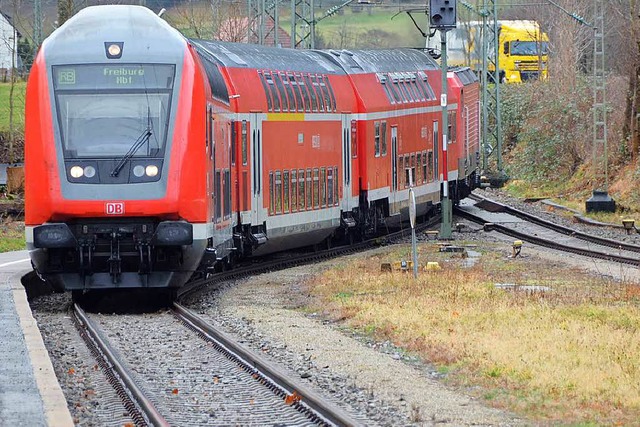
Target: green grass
(11,236)
(378,29)
(18,107)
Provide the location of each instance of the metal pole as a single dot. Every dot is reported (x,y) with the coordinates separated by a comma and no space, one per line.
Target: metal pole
(293,24)
(412,220)
(445,227)
(485,95)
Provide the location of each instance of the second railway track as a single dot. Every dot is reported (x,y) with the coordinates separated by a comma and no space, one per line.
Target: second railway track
(530,228)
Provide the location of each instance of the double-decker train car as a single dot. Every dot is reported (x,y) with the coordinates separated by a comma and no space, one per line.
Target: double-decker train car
(150,156)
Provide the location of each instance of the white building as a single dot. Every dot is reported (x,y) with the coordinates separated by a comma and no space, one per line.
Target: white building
(8,45)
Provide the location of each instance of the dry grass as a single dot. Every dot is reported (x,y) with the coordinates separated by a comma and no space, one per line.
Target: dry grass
(569,354)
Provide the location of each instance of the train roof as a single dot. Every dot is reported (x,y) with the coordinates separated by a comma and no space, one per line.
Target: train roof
(382,60)
(244,55)
(465,74)
(83,37)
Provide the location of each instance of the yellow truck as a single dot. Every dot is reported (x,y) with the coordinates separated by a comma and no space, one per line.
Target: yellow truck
(523,49)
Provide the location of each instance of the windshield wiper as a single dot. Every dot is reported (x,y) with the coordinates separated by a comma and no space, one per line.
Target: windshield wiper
(144,137)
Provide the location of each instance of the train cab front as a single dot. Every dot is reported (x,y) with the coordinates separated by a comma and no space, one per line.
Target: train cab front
(105,154)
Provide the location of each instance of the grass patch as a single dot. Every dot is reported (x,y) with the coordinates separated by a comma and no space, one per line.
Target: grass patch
(18,106)
(569,354)
(11,236)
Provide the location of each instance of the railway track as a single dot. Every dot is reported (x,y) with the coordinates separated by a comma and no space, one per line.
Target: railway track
(279,263)
(231,385)
(530,228)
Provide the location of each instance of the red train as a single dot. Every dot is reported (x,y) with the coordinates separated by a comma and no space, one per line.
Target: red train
(150,156)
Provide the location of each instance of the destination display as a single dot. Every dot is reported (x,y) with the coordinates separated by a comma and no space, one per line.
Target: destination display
(117,76)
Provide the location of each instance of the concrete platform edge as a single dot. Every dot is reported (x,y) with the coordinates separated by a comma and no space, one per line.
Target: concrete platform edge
(55,405)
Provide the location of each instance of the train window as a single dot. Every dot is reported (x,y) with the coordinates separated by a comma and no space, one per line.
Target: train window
(294,190)
(227,194)
(272,209)
(393,88)
(330,186)
(273,90)
(332,96)
(305,93)
(418,169)
(430,171)
(267,92)
(407,168)
(323,187)
(427,87)
(245,191)
(383,138)
(309,190)
(285,188)
(424,166)
(214,76)
(234,136)
(284,103)
(400,168)
(387,90)
(376,138)
(218,199)
(278,192)
(296,92)
(316,188)
(354,139)
(244,142)
(413,169)
(312,92)
(453,127)
(421,88)
(335,185)
(207,136)
(289,91)
(405,92)
(325,94)
(301,183)
(411,84)
(319,95)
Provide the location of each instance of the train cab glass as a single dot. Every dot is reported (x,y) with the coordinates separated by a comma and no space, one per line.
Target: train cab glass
(108,114)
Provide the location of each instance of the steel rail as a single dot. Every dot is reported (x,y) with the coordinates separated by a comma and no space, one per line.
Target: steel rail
(118,375)
(555,227)
(489,226)
(245,270)
(315,406)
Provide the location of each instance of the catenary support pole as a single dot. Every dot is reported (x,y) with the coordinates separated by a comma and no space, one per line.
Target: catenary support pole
(445,227)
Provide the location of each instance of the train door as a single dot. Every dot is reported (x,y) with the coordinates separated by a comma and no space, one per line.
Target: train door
(258,213)
(346,202)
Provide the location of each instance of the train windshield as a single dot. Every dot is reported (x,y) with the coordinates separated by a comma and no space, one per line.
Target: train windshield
(103,109)
(529,48)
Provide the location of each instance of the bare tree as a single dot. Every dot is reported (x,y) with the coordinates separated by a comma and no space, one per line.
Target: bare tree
(218,19)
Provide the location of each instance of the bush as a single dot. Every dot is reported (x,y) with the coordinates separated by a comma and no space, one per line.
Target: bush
(547,131)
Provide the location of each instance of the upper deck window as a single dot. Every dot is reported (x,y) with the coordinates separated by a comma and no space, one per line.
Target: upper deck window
(104,109)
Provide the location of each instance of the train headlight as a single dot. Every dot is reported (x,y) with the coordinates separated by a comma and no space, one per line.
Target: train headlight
(152,170)
(114,49)
(138,171)
(76,172)
(89,171)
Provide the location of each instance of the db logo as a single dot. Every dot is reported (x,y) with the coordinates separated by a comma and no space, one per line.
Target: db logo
(114,208)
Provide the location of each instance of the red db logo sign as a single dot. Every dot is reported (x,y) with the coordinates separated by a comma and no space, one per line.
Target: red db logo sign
(114,208)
